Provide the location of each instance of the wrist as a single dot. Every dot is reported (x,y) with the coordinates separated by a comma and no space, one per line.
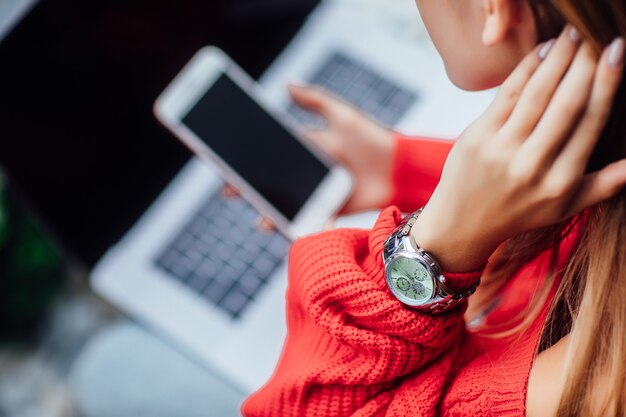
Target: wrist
(415,277)
(454,249)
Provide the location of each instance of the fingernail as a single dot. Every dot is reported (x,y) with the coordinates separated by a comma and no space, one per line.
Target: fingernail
(616,53)
(573,34)
(545,49)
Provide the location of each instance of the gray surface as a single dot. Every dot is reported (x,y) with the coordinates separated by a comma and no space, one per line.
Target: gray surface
(82,365)
(33,377)
(127,372)
(90,362)
(6,6)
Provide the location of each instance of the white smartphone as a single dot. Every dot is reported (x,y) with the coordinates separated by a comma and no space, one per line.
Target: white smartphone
(214,107)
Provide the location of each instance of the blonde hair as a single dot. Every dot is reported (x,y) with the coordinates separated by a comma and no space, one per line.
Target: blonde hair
(590,303)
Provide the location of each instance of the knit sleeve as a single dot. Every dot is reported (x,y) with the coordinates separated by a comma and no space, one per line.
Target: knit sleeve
(352,349)
(417,167)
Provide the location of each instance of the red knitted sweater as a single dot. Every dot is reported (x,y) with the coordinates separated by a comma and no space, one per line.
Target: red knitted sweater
(353,350)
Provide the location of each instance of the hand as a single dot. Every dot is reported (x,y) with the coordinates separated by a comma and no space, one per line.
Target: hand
(522,165)
(264,224)
(363,146)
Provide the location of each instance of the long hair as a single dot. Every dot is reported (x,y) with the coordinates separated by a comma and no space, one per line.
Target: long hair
(590,303)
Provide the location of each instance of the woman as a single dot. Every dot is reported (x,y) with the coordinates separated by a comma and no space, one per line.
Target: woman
(532,190)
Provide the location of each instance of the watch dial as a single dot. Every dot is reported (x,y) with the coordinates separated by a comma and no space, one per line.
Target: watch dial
(410,280)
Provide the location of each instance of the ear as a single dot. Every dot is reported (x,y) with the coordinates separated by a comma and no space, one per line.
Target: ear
(500,17)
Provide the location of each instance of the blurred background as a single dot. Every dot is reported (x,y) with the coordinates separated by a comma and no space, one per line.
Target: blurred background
(86,73)
(47,312)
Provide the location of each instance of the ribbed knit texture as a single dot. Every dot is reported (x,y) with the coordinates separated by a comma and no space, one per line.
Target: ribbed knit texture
(417,168)
(352,349)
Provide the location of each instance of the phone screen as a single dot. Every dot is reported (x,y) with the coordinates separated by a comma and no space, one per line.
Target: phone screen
(256,146)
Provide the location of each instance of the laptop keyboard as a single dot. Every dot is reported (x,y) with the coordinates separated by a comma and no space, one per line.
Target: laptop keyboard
(356,83)
(222,256)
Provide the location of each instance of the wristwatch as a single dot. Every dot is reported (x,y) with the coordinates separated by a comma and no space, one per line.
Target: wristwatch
(414,276)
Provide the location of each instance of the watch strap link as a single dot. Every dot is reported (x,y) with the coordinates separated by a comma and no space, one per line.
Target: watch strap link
(450,301)
(404,228)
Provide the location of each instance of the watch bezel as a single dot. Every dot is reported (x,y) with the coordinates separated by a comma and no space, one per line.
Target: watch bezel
(422,261)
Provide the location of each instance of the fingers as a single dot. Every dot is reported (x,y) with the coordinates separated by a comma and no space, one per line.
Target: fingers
(314,99)
(229,191)
(539,90)
(599,186)
(564,110)
(266,225)
(607,79)
(510,91)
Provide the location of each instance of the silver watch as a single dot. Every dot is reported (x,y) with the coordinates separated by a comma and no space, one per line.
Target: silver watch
(414,276)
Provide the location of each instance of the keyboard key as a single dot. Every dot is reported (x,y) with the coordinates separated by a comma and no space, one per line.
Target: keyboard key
(250,249)
(237,235)
(354,94)
(370,105)
(194,254)
(184,243)
(228,275)
(208,238)
(225,251)
(169,259)
(208,251)
(198,282)
(278,246)
(249,216)
(209,267)
(234,302)
(215,291)
(182,268)
(237,204)
(239,265)
(262,238)
(221,223)
(197,225)
(250,283)
(263,265)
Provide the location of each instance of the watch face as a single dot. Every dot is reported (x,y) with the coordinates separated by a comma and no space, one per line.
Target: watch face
(410,281)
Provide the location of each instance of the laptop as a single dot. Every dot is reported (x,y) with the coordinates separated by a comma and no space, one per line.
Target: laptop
(150,223)
(377,56)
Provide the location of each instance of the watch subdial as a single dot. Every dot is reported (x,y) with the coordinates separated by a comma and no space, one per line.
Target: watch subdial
(403,284)
(419,289)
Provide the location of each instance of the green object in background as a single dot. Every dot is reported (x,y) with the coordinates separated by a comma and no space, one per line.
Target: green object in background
(31,271)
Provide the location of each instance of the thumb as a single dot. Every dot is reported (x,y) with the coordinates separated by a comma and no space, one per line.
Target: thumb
(266,225)
(599,186)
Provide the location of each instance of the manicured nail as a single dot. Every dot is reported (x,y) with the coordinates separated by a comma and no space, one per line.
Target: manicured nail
(545,49)
(574,35)
(616,53)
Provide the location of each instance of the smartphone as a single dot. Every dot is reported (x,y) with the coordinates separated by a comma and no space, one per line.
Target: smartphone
(216,110)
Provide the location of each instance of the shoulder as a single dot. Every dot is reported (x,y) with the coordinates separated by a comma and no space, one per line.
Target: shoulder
(546,381)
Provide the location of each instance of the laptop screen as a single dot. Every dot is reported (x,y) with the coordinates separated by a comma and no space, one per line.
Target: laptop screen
(78,138)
